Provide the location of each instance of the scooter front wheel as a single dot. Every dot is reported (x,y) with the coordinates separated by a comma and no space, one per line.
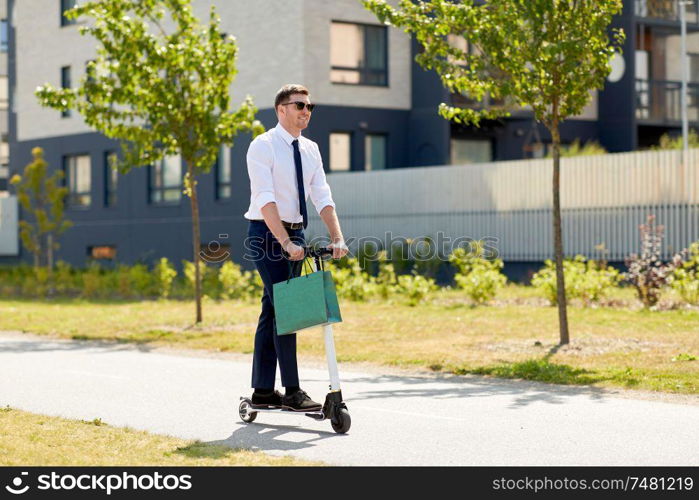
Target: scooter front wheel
(341,421)
(245,411)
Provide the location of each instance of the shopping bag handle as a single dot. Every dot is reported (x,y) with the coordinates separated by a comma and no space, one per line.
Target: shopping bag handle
(309,252)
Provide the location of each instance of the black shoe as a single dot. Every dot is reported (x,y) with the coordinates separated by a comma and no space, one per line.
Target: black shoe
(299,401)
(263,401)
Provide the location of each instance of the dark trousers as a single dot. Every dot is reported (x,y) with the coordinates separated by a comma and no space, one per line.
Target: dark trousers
(264,249)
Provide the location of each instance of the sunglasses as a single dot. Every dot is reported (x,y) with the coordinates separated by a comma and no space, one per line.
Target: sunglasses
(300,105)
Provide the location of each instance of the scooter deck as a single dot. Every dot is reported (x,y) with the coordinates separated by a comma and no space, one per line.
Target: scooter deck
(316,415)
(280,410)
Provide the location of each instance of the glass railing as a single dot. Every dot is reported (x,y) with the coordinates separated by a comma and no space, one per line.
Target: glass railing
(659,101)
(667,10)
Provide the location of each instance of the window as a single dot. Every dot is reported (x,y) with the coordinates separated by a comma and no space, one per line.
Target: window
(693,67)
(4,152)
(375,152)
(340,151)
(461,43)
(111,174)
(77,171)
(4,162)
(4,92)
(166,180)
(65,83)
(4,39)
(358,54)
(464,151)
(223,174)
(102,252)
(66,5)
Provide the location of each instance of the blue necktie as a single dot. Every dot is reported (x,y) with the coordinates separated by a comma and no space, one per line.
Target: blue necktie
(299,182)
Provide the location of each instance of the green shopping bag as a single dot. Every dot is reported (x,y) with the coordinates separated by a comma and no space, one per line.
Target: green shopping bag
(306,301)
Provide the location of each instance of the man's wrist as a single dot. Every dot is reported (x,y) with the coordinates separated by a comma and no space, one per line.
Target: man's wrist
(340,243)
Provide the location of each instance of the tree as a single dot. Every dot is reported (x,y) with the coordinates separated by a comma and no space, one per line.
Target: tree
(42,199)
(546,54)
(161,85)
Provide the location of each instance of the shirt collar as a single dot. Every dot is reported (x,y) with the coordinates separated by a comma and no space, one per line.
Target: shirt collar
(288,138)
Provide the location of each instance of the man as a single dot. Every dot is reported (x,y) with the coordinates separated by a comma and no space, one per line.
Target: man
(284,168)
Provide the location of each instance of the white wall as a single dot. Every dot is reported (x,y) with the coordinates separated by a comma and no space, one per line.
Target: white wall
(9,234)
(603,199)
(317,17)
(280,42)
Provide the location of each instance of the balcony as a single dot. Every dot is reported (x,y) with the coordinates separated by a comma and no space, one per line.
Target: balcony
(666,10)
(658,102)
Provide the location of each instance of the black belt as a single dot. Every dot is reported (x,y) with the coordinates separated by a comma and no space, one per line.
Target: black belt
(288,225)
(292,225)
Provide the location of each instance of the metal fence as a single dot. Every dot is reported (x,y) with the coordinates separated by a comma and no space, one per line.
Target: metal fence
(9,239)
(603,201)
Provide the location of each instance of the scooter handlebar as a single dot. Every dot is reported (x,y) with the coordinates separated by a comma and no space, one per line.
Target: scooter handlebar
(312,252)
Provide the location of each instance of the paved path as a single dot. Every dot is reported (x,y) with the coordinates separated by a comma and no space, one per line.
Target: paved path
(395,420)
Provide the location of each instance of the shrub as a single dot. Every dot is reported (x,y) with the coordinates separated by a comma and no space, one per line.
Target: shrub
(584,279)
(415,287)
(141,281)
(576,149)
(123,282)
(255,283)
(400,256)
(164,274)
(210,285)
(386,281)
(235,283)
(427,258)
(64,278)
(685,278)
(478,277)
(676,142)
(597,281)
(92,282)
(351,282)
(36,282)
(646,272)
(366,255)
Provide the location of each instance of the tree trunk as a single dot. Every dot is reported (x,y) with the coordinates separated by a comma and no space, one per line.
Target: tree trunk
(49,252)
(558,235)
(39,249)
(49,266)
(36,256)
(196,238)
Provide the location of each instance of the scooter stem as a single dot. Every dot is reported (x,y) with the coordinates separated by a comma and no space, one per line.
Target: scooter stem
(332,360)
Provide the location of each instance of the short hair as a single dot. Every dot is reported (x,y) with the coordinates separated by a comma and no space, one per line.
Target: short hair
(288,90)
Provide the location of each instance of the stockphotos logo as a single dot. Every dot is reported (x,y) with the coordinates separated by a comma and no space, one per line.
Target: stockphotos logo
(101,482)
(16,488)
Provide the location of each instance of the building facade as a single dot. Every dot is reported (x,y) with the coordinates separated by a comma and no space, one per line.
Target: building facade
(4,99)
(376,110)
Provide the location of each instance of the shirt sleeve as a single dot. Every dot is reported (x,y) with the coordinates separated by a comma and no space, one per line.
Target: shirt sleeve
(260,159)
(320,190)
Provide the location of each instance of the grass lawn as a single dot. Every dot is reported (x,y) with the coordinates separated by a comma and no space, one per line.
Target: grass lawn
(516,337)
(38,440)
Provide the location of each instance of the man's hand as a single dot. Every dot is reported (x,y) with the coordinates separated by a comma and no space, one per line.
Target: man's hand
(339,249)
(295,252)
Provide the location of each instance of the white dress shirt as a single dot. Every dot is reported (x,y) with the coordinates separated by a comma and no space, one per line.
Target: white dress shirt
(272,174)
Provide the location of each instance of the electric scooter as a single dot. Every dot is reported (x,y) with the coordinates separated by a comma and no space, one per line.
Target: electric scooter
(334,407)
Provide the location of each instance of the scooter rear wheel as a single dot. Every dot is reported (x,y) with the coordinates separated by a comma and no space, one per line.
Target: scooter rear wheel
(341,422)
(246,415)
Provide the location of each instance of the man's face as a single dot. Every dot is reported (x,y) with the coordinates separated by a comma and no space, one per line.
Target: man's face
(292,117)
